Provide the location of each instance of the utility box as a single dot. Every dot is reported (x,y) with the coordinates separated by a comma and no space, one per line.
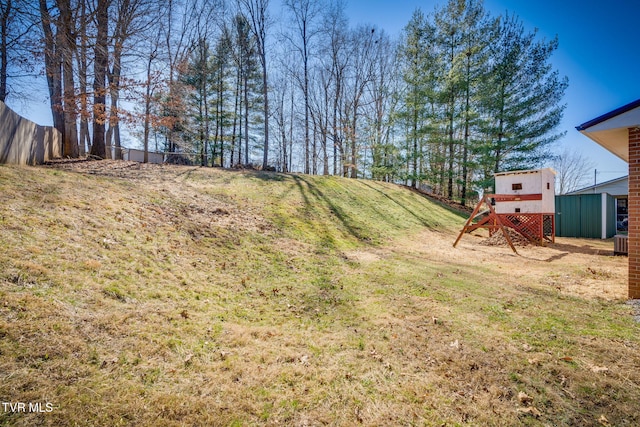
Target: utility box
(529,192)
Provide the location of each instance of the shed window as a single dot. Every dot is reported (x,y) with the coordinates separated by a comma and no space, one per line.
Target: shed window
(517,186)
(517,210)
(548,186)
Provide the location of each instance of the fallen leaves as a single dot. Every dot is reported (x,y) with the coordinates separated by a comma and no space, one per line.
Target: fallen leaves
(604,421)
(531,410)
(524,398)
(599,369)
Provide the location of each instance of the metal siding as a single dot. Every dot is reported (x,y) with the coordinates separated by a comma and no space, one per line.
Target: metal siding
(567,216)
(611,216)
(591,216)
(579,216)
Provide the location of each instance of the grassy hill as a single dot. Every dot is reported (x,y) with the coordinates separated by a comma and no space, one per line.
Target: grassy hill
(147,295)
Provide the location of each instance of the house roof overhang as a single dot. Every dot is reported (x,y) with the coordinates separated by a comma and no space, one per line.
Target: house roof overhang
(611,130)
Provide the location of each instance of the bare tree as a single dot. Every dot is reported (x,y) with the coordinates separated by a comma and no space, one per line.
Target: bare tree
(304,12)
(131,20)
(149,86)
(53,65)
(100,64)
(362,42)
(82,59)
(382,105)
(7,13)
(67,46)
(573,170)
(335,60)
(282,90)
(16,28)
(257,14)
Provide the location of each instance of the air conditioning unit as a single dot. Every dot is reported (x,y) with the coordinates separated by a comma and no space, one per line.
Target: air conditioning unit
(620,244)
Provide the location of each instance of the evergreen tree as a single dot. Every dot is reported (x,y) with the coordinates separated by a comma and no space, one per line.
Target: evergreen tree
(477,34)
(447,23)
(197,78)
(416,59)
(521,101)
(246,84)
(221,75)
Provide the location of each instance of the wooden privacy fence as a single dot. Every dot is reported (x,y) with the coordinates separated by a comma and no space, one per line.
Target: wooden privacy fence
(23,142)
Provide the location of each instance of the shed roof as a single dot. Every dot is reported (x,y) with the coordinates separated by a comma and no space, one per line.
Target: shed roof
(605,187)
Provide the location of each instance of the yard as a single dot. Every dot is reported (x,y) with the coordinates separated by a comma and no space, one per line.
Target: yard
(188,296)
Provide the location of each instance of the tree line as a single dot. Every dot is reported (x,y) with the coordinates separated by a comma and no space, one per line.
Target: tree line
(461,94)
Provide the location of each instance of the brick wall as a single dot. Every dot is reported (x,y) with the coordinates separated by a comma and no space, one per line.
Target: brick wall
(634,213)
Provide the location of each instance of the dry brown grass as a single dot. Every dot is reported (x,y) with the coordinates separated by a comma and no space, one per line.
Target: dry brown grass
(178,296)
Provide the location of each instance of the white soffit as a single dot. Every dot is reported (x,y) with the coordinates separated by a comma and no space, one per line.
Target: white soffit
(612,130)
(614,140)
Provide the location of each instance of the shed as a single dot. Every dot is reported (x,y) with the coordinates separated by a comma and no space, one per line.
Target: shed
(617,188)
(619,132)
(589,216)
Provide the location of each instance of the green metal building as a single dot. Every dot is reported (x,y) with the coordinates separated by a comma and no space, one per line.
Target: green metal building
(586,215)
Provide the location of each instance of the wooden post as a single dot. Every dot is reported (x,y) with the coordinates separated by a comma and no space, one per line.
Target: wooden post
(493,216)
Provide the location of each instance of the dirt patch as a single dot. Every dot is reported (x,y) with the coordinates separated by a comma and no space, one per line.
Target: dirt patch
(578,267)
(362,256)
(498,239)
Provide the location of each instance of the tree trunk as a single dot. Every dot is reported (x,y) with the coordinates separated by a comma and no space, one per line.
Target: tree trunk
(84,139)
(67,47)
(265,94)
(467,135)
(305,59)
(113,133)
(100,70)
(246,120)
(53,68)
(4,57)
(236,111)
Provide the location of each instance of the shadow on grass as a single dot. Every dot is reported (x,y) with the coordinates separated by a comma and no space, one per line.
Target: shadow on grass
(420,219)
(260,174)
(584,249)
(344,218)
(270,176)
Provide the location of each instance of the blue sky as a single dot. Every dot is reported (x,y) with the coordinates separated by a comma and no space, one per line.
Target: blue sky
(598,52)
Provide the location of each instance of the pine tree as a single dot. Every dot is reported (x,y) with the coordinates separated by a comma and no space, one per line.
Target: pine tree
(198,79)
(416,59)
(477,34)
(521,101)
(221,74)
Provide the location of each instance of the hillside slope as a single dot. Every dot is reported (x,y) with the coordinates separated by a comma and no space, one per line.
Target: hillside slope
(151,295)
